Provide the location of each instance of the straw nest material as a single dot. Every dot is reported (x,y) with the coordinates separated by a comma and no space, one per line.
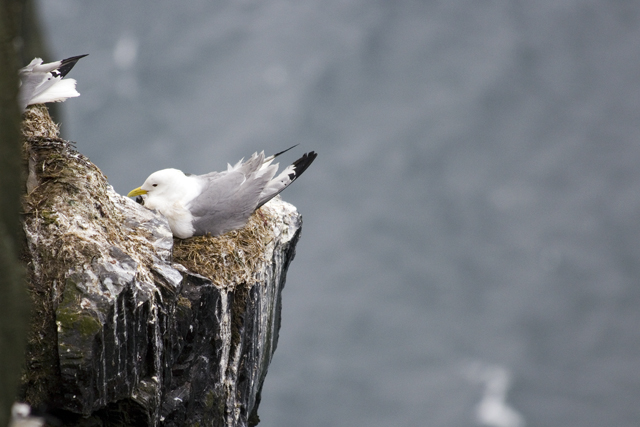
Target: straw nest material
(233,258)
(36,122)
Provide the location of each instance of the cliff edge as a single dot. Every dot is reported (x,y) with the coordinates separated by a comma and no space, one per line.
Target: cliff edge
(129,326)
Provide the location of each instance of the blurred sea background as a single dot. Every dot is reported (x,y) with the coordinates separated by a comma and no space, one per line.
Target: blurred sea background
(471,242)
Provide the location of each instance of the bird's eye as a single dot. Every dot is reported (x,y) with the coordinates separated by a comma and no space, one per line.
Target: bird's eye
(155,185)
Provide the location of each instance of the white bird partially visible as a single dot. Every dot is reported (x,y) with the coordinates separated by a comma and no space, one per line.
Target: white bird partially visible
(21,416)
(217,202)
(41,83)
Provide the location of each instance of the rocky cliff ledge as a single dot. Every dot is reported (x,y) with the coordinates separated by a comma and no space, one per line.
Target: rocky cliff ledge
(131,327)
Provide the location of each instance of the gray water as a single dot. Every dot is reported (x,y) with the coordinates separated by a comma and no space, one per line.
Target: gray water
(472,217)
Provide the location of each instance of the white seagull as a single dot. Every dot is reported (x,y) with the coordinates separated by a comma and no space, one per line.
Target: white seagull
(21,416)
(217,202)
(41,83)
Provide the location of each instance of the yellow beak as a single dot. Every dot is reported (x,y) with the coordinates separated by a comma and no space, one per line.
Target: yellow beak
(137,192)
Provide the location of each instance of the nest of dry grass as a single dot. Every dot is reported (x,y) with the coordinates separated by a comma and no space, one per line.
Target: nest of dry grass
(36,122)
(69,197)
(233,258)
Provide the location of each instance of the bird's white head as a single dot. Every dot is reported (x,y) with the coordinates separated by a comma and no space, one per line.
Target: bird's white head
(161,188)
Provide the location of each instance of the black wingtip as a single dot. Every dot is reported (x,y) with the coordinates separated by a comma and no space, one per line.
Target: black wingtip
(299,166)
(68,63)
(302,164)
(284,151)
(74,58)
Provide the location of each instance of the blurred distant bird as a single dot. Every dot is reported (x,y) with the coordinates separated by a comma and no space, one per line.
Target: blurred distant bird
(217,202)
(41,83)
(493,409)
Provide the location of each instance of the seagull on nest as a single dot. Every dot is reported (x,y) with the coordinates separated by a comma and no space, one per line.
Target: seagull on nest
(217,202)
(41,83)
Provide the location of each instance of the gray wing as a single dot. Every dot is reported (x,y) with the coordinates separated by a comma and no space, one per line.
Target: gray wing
(229,198)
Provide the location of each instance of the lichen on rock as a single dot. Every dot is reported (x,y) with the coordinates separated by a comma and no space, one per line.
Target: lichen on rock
(130,325)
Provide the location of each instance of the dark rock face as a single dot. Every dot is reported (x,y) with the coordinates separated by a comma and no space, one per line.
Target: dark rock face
(124,335)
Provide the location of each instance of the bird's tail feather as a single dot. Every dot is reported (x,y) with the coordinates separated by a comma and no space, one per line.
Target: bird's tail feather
(286,177)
